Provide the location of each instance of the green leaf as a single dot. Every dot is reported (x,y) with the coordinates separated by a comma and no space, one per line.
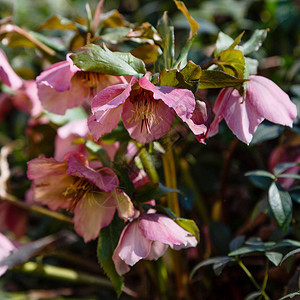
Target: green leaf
(76,113)
(125,182)
(261,178)
(295,193)
(223,42)
(98,151)
(274,257)
(291,253)
(236,243)
(114,35)
(286,243)
(279,169)
(94,58)
(190,226)
(146,192)
(107,242)
(231,62)
(247,250)
(255,42)
(290,296)
(211,261)
(281,205)
(166,60)
(218,79)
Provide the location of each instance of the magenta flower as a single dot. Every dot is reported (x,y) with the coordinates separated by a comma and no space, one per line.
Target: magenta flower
(148,237)
(6,247)
(264,100)
(25,97)
(63,86)
(147,110)
(93,195)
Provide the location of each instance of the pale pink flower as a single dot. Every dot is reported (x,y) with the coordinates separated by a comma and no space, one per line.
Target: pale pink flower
(93,195)
(6,247)
(25,95)
(264,100)
(63,86)
(148,237)
(147,110)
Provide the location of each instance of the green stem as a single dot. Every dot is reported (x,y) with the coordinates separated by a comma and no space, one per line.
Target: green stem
(261,289)
(148,165)
(264,285)
(65,274)
(35,208)
(170,178)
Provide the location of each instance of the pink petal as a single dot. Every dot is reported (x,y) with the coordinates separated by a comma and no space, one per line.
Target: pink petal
(6,247)
(95,211)
(124,205)
(133,246)
(50,182)
(158,249)
(157,227)
(7,74)
(158,127)
(105,179)
(270,101)
(103,122)
(181,100)
(57,76)
(59,101)
(112,96)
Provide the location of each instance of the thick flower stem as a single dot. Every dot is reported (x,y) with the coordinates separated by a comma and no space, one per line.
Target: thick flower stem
(170,179)
(34,208)
(148,165)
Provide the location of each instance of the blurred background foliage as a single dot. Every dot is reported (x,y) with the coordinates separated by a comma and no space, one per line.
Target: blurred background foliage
(218,196)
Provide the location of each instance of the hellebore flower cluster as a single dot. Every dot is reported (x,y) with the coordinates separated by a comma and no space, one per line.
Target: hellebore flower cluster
(264,100)
(6,247)
(93,195)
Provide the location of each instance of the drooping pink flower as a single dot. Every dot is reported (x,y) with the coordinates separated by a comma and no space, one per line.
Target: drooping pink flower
(25,95)
(93,195)
(148,237)
(6,247)
(264,100)
(63,86)
(147,110)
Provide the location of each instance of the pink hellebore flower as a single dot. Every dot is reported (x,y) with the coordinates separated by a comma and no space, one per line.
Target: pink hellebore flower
(63,86)
(264,100)
(6,247)
(93,195)
(148,237)
(25,97)
(147,110)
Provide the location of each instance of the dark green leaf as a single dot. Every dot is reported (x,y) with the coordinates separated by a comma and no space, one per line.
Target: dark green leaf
(291,253)
(274,257)
(125,182)
(220,236)
(114,35)
(107,242)
(220,265)
(290,296)
(236,243)
(286,243)
(211,261)
(94,58)
(218,79)
(281,205)
(295,193)
(146,192)
(261,178)
(266,132)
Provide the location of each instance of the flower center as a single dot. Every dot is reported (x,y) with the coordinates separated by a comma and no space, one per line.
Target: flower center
(144,109)
(93,82)
(77,190)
